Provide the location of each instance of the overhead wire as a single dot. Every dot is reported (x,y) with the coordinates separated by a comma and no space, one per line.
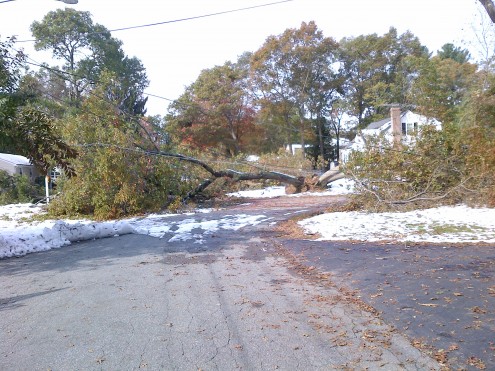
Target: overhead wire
(293,129)
(134,117)
(184,19)
(66,73)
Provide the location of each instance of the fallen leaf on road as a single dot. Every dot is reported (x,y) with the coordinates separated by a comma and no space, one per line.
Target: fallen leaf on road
(429,305)
(478,363)
(478,310)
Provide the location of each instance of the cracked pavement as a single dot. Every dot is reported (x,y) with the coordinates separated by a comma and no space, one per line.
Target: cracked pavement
(236,301)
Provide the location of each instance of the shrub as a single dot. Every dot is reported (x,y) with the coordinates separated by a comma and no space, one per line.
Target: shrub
(17,188)
(429,171)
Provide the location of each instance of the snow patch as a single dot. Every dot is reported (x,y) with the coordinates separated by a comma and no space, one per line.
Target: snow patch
(19,235)
(438,225)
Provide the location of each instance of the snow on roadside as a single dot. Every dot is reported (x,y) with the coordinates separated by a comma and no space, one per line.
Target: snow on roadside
(437,225)
(339,187)
(20,235)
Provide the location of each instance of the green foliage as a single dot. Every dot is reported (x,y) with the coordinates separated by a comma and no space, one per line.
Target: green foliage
(378,71)
(456,53)
(429,171)
(17,189)
(115,178)
(442,86)
(114,183)
(69,34)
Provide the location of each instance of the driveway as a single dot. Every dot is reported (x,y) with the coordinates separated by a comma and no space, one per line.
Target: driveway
(441,296)
(233,300)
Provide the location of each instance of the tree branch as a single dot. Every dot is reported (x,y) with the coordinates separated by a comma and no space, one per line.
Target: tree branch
(489,7)
(235,175)
(415,198)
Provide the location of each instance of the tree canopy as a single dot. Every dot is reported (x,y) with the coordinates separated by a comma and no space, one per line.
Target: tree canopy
(298,87)
(87,50)
(215,111)
(26,130)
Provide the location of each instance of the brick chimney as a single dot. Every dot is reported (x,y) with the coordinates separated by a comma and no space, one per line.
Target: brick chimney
(396,125)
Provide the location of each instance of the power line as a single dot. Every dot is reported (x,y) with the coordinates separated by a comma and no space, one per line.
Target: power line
(206,112)
(184,19)
(201,16)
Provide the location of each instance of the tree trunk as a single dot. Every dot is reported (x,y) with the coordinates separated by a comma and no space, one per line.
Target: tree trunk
(322,142)
(235,175)
(490,8)
(303,144)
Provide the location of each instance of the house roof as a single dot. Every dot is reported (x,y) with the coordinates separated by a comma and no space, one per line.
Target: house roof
(14,159)
(382,122)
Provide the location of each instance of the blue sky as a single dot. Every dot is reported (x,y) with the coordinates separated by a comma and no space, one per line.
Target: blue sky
(174,54)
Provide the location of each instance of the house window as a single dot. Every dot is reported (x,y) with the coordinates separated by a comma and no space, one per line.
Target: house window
(409,128)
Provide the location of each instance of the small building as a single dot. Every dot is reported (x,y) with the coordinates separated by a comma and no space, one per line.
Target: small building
(399,127)
(296,149)
(20,165)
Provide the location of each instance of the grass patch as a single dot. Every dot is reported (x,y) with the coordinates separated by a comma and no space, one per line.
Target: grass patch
(439,229)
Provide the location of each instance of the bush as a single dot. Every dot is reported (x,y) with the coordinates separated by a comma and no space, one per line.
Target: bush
(17,189)
(113,183)
(427,172)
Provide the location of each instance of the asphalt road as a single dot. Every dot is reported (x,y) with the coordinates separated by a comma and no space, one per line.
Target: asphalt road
(442,297)
(239,300)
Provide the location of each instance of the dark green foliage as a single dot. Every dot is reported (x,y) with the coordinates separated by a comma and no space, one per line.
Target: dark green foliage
(17,188)
(456,53)
(24,129)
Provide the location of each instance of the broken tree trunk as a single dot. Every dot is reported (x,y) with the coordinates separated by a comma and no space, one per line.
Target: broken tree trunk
(297,182)
(330,176)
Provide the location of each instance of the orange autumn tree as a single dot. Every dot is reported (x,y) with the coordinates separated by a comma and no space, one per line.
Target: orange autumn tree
(215,112)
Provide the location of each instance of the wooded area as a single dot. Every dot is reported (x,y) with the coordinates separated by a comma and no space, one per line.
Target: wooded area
(87,116)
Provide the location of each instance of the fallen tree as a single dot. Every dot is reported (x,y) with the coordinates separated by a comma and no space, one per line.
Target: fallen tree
(330,176)
(297,182)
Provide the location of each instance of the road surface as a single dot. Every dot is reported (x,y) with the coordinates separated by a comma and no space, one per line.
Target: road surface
(237,300)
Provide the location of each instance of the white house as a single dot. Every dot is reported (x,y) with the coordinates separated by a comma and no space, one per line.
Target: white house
(399,127)
(20,165)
